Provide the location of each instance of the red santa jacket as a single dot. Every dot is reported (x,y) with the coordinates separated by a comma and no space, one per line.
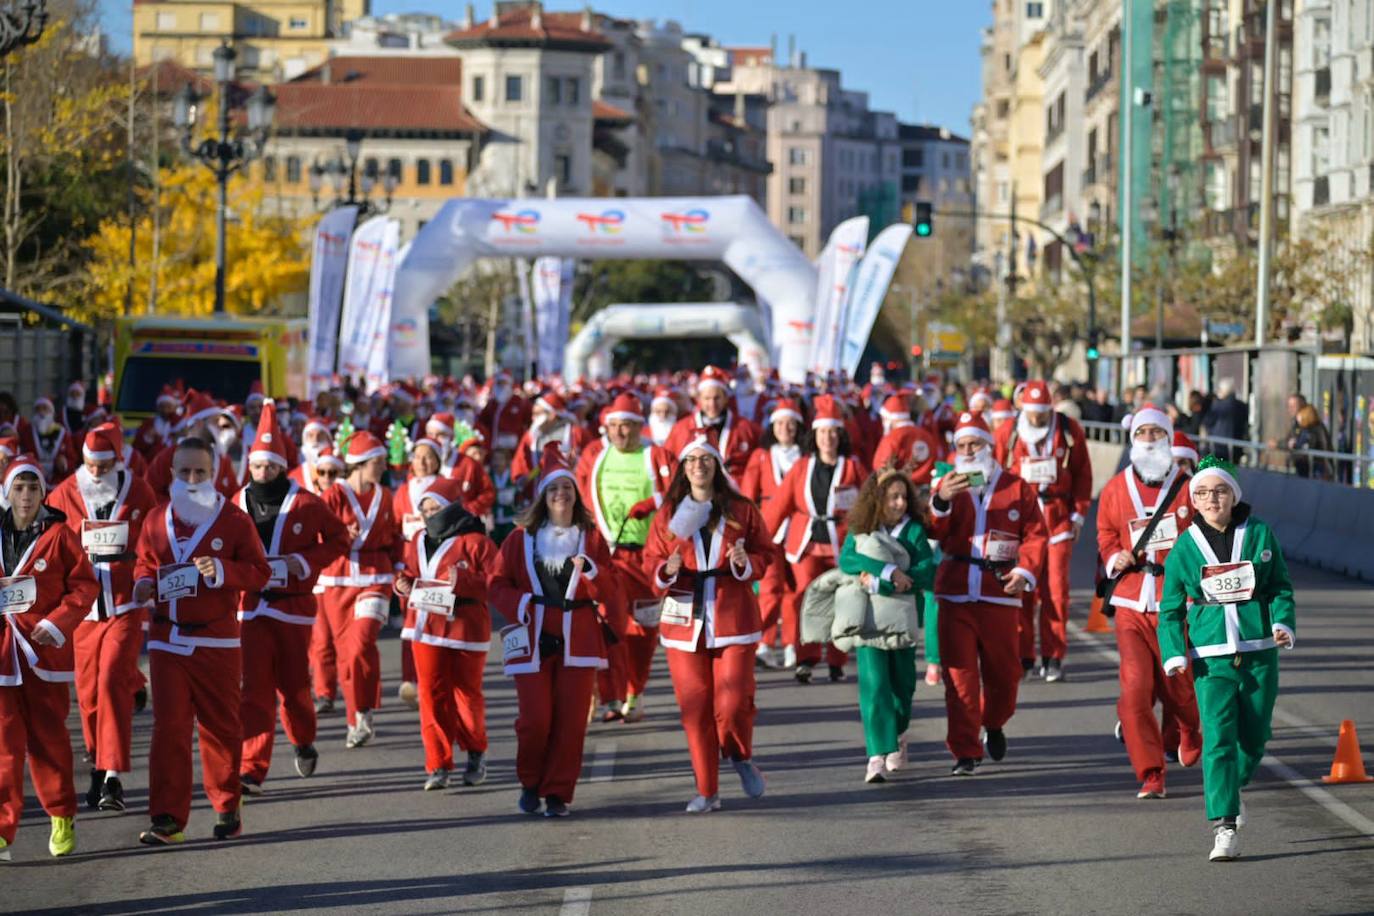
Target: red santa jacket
(516,592)
(1002,524)
(159,476)
(308,530)
(507,420)
(135,462)
(153,435)
(909,443)
(478,493)
(304,478)
(60,456)
(405,506)
(658,469)
(794,504)
(572,439)
(940,421)
(210,619)
(722,604)
(1061,456)
(1127,497)
(735,439)
(466,561)
(134,503)
(377,550)
(65,588)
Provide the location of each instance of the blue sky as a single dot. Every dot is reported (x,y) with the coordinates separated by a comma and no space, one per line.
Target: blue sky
(918,58)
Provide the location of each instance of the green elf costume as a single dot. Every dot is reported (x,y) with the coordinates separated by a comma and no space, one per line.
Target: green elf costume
(1227,603)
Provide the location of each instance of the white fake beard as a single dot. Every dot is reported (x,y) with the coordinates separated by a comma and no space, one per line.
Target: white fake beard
(660,428)
(225,439)
(1032,434)
(983,461)
(1152,460)
(45,424)
(194,503)
(97,491)
(75,403)
(555,546)
(689,517)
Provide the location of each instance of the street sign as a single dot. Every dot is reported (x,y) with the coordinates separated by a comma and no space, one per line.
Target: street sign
(945,344)
(1225,328)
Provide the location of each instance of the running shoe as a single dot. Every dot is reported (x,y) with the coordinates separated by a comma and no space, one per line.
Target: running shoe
(163,832)
(62,840)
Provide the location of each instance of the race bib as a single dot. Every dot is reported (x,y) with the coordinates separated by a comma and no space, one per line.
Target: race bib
(515,643)
(373,607)
(177,580)
(845,498)
(1040,471)
(17,594)
(647,613)
(677,609)
(1228,583)
(506,441)
(411,525)
(505,496)
(433,596)
(103,538)
(1162,538)
(279,572)
(1001,547)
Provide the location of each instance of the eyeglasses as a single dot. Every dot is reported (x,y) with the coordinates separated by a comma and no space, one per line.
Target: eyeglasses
(327,475)
(1205,496)
(698,459)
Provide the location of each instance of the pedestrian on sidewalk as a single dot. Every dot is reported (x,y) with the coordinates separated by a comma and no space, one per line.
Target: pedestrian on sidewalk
(1228,606)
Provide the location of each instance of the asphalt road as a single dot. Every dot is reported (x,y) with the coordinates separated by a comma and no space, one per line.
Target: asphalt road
(1055,828)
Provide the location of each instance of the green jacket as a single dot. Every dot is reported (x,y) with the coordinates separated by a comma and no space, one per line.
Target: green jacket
(1224,629)
(912,537)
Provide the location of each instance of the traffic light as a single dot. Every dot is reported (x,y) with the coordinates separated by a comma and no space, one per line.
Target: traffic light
(916,351)
(1092,353)
(925,227)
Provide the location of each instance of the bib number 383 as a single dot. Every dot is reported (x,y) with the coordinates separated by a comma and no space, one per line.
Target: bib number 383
(1228,583)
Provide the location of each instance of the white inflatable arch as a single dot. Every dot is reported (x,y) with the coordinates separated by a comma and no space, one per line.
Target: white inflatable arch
(588,353)
(729,229)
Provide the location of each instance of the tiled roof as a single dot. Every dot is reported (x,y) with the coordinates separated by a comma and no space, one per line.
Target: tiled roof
(517,27)
(313,106)
(605,111)
(409,71)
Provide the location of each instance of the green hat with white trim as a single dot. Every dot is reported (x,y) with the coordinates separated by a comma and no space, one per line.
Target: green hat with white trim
(1218,468)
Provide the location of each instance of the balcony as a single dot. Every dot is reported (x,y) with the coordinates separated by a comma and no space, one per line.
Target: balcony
(1090,175)
(1238,222)
(1052,207)
(1221,134)
(1321,191)
(1100,82)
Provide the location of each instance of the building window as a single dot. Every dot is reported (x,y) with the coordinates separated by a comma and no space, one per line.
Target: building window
(1321,151)
(913,157)
(799,155)
(479,88)
(562,169)
(515,89)
(209,22)
(370,167)
(293,169)
(796,215)
(298,23)
(269,168)
(1035,10)
(554,91)
(166,22)
(422,171)
(796,185)
(574,91)
(393,168)
(618,65)
(911,184)
(445,172)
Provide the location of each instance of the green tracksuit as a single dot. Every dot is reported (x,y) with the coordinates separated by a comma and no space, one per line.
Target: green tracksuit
(1234,656)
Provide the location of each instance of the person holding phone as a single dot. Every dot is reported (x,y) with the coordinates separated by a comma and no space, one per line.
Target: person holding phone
(1228,607)
(992,537)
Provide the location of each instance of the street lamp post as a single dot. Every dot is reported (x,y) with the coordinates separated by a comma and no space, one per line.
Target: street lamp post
(224,155)
(340,174)
(22,25)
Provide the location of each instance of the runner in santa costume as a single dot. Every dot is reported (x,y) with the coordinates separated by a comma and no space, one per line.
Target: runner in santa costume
(1048,450)
(552,574)
(1227,606)
(1128,502)
(48,588)
(196,556)
(449,628)
(1184,451)
(904,444)
(505,413)
(357,586)
(729,433)
(707,546)
(106,505)
(762,481)
(426,465)
(200,420)
(155,433)
(551,422)
(300,536)
(51,443)
(478,494)
(662,415)
(622,480)
(992,538)
(813,499)
(317,474)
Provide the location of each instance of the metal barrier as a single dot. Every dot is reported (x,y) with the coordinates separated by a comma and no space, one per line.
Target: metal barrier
(41,359)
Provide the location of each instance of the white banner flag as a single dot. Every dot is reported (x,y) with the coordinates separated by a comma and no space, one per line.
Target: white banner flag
(374,244)
(552,308)
(835,270)
(408,343)
(328,271)
(871,281)
(522,276)
(379,356)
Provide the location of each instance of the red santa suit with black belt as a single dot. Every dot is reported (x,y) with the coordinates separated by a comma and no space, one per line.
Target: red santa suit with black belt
(357,586)
(762,481)
(712,624)
(995,530)
(906,444)
(34,696)
(450,651)
(1058,467)
(554,690)
(1127,501)
(108,640)
(276,623)
(195,656)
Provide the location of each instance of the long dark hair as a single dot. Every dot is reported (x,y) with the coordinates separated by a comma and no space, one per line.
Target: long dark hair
(769,440)
(537,513)
(722,492)
(867,514)
(808,443)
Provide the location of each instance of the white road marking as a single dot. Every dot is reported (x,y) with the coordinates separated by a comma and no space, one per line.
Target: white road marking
(603,761)
(1332,805)
(577,901)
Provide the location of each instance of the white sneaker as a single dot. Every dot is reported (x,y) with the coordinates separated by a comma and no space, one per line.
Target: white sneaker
(898,758)
(351,738)
(766,657)
(701,804)
(789,657)
(877,769)
(1240,818)
(363,730)
(1226,847)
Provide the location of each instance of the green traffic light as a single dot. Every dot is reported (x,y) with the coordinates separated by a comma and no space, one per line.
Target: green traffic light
(1092,353)
(923,229)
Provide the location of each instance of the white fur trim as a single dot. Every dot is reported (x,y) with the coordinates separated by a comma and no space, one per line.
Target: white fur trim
(1218,473)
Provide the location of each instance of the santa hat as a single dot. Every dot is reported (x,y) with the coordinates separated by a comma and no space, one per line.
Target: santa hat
(77,387)
(268,443)
(979,401)
(625,407)
(971,424)
(196,407)
(785,409)
(553,402)
(1149,415)
(9,446)
(168,395)
(101,444)
(664,395)
(442,422)
(896,407)
(362,447)
(553,465)
(40,402)
(1035,398)
(317,424)
(430,443)
(713,377)
(1210,467)
(827,413)
(1184,446)
(24,464)
(700,444)
(1002,409)
(326,458)
(443,491)
(255,394)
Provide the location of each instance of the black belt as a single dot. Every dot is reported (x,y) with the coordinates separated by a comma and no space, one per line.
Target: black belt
(633,548)
(565,604)
(984,563)
(163,618)
(699,579)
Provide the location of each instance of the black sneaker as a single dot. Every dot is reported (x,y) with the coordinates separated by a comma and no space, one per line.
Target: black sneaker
(228,826)
(803,673)
(307,758)
(1027,669)
(529,801)
(1054,670)
(112,795)
(964,766)
(323,705)
(836,674)
(251,785)
(555,807)
(140,699)
(96,790)
(163,832)
(475,773)
(996,742)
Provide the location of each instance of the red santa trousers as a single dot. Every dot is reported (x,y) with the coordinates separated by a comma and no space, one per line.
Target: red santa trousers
(355,642)
(452,707)
(1052,596)
(107,677)
(201,689)
(276,659)
(1142,680)
(978,651)
(639,652)
(772,594)
(613,680)
(33,724)
(408,672)
(324,662)
(715,693)
(807,570)
(551,725)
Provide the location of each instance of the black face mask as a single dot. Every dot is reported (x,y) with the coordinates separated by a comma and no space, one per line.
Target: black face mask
(273,492)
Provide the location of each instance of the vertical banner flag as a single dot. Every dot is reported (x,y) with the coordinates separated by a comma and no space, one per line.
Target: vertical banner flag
(552,309)
(378,358)
(871,281)
(407,346)
(529,344)
(328,270)
(835,270)
(357,326)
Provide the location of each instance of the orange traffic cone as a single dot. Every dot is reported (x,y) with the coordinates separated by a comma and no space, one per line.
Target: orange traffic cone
(1098,621)
(1348,766)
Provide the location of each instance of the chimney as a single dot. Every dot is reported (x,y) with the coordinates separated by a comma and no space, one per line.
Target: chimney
(468,18)
(801,60)
(537,15)
(586,25)
(791,50)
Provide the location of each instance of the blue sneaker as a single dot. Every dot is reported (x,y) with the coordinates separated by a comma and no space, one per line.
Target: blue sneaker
(750,779)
